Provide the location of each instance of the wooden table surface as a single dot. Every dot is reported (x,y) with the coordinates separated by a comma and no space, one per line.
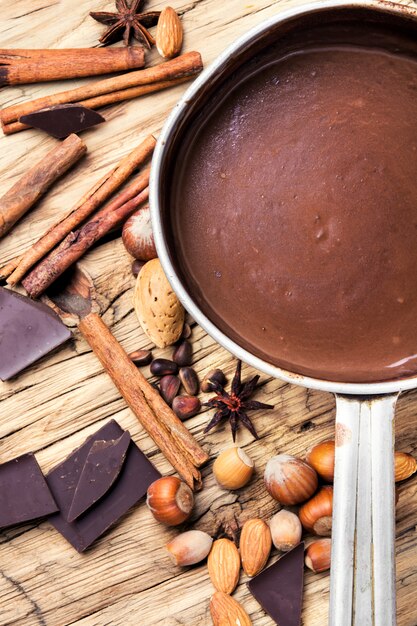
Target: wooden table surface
(126,578)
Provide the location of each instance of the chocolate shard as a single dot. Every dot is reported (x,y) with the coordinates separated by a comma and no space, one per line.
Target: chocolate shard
(28,331)
(279,588)
(63,119)
(136,474)
(24,493)
(101,468)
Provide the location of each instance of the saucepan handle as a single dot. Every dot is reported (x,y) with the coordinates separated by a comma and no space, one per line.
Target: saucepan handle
(362,578)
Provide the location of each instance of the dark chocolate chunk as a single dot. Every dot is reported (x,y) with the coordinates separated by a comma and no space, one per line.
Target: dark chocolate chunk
(279,588)
(28,331)
(130,486)
(24,494)
(101,468)
(63,119)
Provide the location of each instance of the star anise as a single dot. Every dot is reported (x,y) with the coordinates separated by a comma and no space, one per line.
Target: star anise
(128,20)
(234,405)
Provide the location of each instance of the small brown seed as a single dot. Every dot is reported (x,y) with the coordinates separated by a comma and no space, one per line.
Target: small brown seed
(215,375)
(137,266)
(186,406)
(169,387)
(189,379)
(186,331)
(183,354)
(163,367)
(141,357)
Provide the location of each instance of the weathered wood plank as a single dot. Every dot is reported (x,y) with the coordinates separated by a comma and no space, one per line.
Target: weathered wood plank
(127,578)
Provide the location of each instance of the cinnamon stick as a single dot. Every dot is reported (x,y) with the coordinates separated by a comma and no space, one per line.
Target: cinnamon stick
(18,66)
(100,191)
(23,195)
(9,268)
(185,65)
(77,243)
(109,98)
(130,384)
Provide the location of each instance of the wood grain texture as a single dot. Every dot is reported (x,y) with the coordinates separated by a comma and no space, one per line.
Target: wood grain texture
(126,578)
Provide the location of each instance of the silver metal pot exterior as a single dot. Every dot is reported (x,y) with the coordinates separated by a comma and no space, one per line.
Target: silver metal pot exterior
(161,158)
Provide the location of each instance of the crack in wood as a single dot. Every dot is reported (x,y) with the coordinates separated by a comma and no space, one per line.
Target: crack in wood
(35,607)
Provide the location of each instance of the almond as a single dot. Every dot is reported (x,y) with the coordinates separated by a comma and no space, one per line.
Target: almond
(255,546)
(158,309)
(169,33)
(225,611)
(224,565)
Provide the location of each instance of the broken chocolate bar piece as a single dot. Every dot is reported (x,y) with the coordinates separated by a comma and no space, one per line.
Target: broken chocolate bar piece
(63,119)
(101,468)
(279,588)
(24,494)
(135,476)
(28,331)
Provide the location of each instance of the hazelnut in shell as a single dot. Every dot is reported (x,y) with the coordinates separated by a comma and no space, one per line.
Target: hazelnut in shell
(190,547)
(321,457)
(290,480)
(286,530)
(318,555)
(170,500)
(233,468)
(137,235)
(316,514)
(405,466)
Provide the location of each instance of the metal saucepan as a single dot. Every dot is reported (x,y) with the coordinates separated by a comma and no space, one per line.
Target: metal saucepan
(362,585)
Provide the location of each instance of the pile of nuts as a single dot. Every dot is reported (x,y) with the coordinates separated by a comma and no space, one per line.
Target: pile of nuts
(289,480)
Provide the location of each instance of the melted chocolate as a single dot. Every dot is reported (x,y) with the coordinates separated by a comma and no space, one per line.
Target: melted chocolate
(294,204)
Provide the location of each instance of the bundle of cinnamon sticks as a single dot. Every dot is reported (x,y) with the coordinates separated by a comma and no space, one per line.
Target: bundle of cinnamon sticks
(109,91)
(74,234)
